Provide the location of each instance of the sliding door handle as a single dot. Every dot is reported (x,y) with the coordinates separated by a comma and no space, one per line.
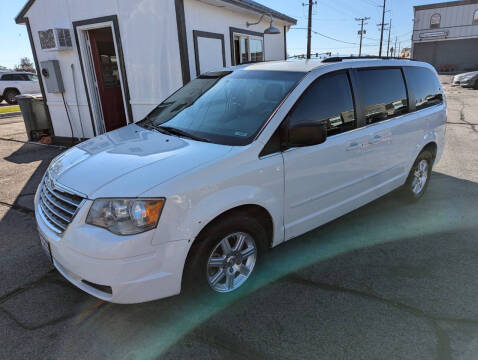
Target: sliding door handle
(354,146)
(376,139)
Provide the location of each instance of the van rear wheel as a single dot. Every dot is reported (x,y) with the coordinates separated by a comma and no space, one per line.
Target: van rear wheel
(225,256)
(419,176)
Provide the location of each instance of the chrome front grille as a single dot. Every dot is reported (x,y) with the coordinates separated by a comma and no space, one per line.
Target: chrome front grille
(57,205)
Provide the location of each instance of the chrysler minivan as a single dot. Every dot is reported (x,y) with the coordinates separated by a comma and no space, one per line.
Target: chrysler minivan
(236,162)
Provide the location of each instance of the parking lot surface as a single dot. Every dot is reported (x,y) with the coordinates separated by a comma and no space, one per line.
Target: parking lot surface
(391,280)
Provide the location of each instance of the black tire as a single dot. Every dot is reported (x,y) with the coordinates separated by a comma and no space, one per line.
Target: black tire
(408,188)
(475,86)
(10,96)
(196,267)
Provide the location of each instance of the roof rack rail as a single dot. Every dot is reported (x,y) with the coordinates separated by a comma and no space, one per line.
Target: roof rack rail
(340,58)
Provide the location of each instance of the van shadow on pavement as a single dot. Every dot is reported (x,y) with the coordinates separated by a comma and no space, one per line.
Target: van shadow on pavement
(390,280)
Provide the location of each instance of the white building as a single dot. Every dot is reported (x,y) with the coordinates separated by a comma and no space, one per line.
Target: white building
(446,35)
(118,59)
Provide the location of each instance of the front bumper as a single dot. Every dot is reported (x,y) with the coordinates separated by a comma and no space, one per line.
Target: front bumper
(119,269)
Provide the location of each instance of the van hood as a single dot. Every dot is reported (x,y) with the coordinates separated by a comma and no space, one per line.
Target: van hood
(128,161)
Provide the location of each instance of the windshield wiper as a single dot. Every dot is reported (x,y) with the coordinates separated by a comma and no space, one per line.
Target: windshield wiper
(150,126)
(182,133)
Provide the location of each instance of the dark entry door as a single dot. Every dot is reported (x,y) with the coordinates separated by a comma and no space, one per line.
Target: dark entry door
(107,75)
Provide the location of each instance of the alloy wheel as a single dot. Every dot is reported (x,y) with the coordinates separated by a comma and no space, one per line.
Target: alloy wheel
(231,262)
(420,177)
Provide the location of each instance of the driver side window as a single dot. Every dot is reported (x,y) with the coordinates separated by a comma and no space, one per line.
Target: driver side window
(329,101)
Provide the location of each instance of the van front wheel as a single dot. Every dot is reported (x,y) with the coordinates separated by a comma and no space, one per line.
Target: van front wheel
(419,176)
(225,257)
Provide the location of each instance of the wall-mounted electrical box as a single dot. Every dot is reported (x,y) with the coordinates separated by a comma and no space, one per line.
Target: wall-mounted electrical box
(51,73)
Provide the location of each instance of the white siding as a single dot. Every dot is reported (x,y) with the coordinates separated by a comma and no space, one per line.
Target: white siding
(45,14)
(204,17)
(150,46)
(149,35)
(149,39)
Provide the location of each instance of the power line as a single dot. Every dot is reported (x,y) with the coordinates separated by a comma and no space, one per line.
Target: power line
(344,11)
(327,36)
(370,2)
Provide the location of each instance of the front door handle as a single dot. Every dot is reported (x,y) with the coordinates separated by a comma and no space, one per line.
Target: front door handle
(375,140)
(354,146)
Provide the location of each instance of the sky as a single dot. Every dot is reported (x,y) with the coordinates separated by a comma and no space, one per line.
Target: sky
(332,18)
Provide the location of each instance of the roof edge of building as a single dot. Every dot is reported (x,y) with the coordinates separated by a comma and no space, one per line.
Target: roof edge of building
(20,18)
(261,9)
(248,4)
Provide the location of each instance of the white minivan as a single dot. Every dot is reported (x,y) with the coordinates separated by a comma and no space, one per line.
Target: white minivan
(236,162)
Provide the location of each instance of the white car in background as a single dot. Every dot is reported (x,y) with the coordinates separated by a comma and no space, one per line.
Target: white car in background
(13,83)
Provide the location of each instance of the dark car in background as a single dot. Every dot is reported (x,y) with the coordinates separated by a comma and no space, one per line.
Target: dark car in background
(470,80)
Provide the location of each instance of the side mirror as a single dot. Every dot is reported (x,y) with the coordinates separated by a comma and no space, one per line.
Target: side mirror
(307,134)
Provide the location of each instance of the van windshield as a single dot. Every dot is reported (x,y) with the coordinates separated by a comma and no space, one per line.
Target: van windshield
(225,108)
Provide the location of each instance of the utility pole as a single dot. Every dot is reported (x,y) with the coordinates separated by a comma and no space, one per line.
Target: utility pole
(361,31)
(309,27)
(389,31)
(382,25)
(395,45)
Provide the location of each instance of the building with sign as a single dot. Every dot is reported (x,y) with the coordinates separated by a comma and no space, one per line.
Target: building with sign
(446,35)
(105,64)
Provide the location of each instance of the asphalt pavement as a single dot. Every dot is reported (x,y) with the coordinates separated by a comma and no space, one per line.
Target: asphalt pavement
(392,280)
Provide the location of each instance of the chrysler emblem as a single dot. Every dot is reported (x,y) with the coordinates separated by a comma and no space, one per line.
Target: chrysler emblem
(51,183)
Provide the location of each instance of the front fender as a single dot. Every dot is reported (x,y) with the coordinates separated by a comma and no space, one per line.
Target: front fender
(218,202)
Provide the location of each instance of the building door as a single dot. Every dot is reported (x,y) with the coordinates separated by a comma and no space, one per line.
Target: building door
(108,79)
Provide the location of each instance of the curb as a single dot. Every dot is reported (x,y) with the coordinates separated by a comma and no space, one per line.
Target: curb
(9,115)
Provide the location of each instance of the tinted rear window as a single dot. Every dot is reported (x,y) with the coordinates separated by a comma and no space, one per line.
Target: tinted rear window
(425,85)
(8,77)
(384,94)
(15,77)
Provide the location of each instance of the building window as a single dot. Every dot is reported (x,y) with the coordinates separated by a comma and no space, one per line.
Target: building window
(248,49)
(257,50)
(475,18)
(435,21)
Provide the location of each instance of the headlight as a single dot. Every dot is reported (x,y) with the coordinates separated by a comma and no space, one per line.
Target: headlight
(125,216)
